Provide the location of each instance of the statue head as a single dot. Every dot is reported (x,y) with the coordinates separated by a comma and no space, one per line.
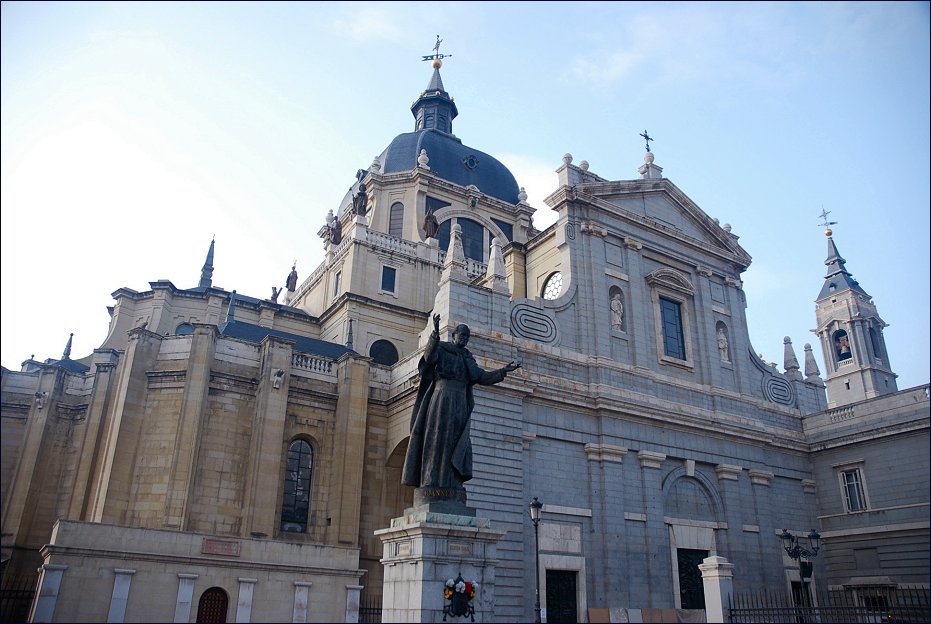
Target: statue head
(461,335)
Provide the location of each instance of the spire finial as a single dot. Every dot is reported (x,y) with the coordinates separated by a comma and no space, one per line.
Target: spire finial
(824,221)
(206,273)
(67,354)
(646,137)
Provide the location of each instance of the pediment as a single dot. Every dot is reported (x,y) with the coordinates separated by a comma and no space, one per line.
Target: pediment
(662,208)
(672,279)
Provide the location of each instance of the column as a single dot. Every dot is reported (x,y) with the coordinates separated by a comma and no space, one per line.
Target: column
(656,535)
(185,597)
(769,546)
(244,604)
(353,593)
(49,583)
(301,600)
(717,576)
(122,579)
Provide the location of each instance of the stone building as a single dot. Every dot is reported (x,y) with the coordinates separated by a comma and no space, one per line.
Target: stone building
(221,456)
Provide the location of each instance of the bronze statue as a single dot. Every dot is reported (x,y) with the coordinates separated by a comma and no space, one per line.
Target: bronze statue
(292,279)
(430,225)
(360,200)
(439,454)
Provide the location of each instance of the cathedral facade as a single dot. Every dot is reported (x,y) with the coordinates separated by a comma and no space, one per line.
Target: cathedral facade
(225,457)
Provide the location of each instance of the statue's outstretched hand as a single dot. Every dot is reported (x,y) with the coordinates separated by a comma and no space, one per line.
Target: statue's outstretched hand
(513,366)
(436,323)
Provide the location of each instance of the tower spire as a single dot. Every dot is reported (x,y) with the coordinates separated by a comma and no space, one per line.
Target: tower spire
(206,273)
(851,334)
(435,109)
(67,353)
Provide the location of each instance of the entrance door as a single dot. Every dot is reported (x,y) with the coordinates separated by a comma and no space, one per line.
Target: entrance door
(691,587)
(561,603)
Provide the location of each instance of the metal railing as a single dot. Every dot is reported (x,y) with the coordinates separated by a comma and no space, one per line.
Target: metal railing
(870,605)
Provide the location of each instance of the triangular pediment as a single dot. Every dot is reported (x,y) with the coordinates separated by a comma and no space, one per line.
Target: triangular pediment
(660,206)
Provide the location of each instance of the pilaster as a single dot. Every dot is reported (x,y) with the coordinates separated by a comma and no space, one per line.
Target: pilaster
(105,361)
(190,425)
(263,471)
(124,416)
(351,419)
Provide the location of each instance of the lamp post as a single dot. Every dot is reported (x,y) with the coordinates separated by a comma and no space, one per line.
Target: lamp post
(803,554)
(535,507)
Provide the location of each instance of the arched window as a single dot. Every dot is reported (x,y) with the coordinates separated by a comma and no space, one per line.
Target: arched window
(473,239)
(396,220)
(295,506)
(876,344)
(383,352)
(841,345)
(213,605)
(184,329)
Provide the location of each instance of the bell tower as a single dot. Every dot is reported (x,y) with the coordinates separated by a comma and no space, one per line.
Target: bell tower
(851,334)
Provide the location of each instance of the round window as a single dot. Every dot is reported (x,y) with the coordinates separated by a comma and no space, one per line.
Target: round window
(553,286)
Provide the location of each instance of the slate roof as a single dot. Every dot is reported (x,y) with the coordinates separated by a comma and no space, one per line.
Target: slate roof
(302,344)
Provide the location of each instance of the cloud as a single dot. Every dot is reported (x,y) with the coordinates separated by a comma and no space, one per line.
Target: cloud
(371,23)
(538,178)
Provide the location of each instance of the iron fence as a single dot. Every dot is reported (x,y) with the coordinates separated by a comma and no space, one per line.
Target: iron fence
(873,605)
(16,597)
(370,610)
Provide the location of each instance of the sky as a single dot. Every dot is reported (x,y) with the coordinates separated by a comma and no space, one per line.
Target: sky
(133,133)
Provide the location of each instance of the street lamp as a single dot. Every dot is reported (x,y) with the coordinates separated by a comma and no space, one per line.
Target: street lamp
(535,507)
(803,554)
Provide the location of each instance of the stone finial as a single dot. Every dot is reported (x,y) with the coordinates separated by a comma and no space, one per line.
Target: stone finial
(812,374)
(522,196)
(648,158)
(583,165)
(495,276)
(423,160)
(727,227)
(567,158)
(790,362)
(376,165)
(454,265)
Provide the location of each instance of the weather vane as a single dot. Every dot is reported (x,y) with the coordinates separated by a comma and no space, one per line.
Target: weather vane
(824,221)
(436,56)
(824,218)
(647,138)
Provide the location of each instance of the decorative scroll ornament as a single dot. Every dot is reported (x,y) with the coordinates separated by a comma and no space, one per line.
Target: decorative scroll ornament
(459,594)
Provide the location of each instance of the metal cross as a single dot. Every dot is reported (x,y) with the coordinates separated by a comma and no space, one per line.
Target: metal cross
(648,138)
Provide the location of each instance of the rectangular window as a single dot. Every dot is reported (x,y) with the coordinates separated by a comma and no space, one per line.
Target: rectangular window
(673,337)
(852,483)
(387,278)
(337,283)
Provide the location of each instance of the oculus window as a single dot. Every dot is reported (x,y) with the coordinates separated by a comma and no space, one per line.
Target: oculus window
(552,288)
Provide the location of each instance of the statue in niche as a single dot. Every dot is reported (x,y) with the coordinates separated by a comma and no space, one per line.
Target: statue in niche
(617,312)
(722,344)
(439,454)
(430,225)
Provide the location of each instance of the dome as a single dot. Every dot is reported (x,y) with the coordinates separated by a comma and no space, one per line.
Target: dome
(451,161)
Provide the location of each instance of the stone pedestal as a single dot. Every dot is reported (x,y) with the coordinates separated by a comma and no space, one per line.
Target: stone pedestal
(427,546)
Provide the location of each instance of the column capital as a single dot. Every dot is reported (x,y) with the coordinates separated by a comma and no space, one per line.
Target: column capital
(761,477)
(651,459)
(728,472)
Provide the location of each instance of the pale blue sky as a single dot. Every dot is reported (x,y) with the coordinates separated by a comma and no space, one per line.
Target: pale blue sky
(134,132)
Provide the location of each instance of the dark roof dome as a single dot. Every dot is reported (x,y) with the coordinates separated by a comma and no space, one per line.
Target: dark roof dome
(434,111)
(452,161)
